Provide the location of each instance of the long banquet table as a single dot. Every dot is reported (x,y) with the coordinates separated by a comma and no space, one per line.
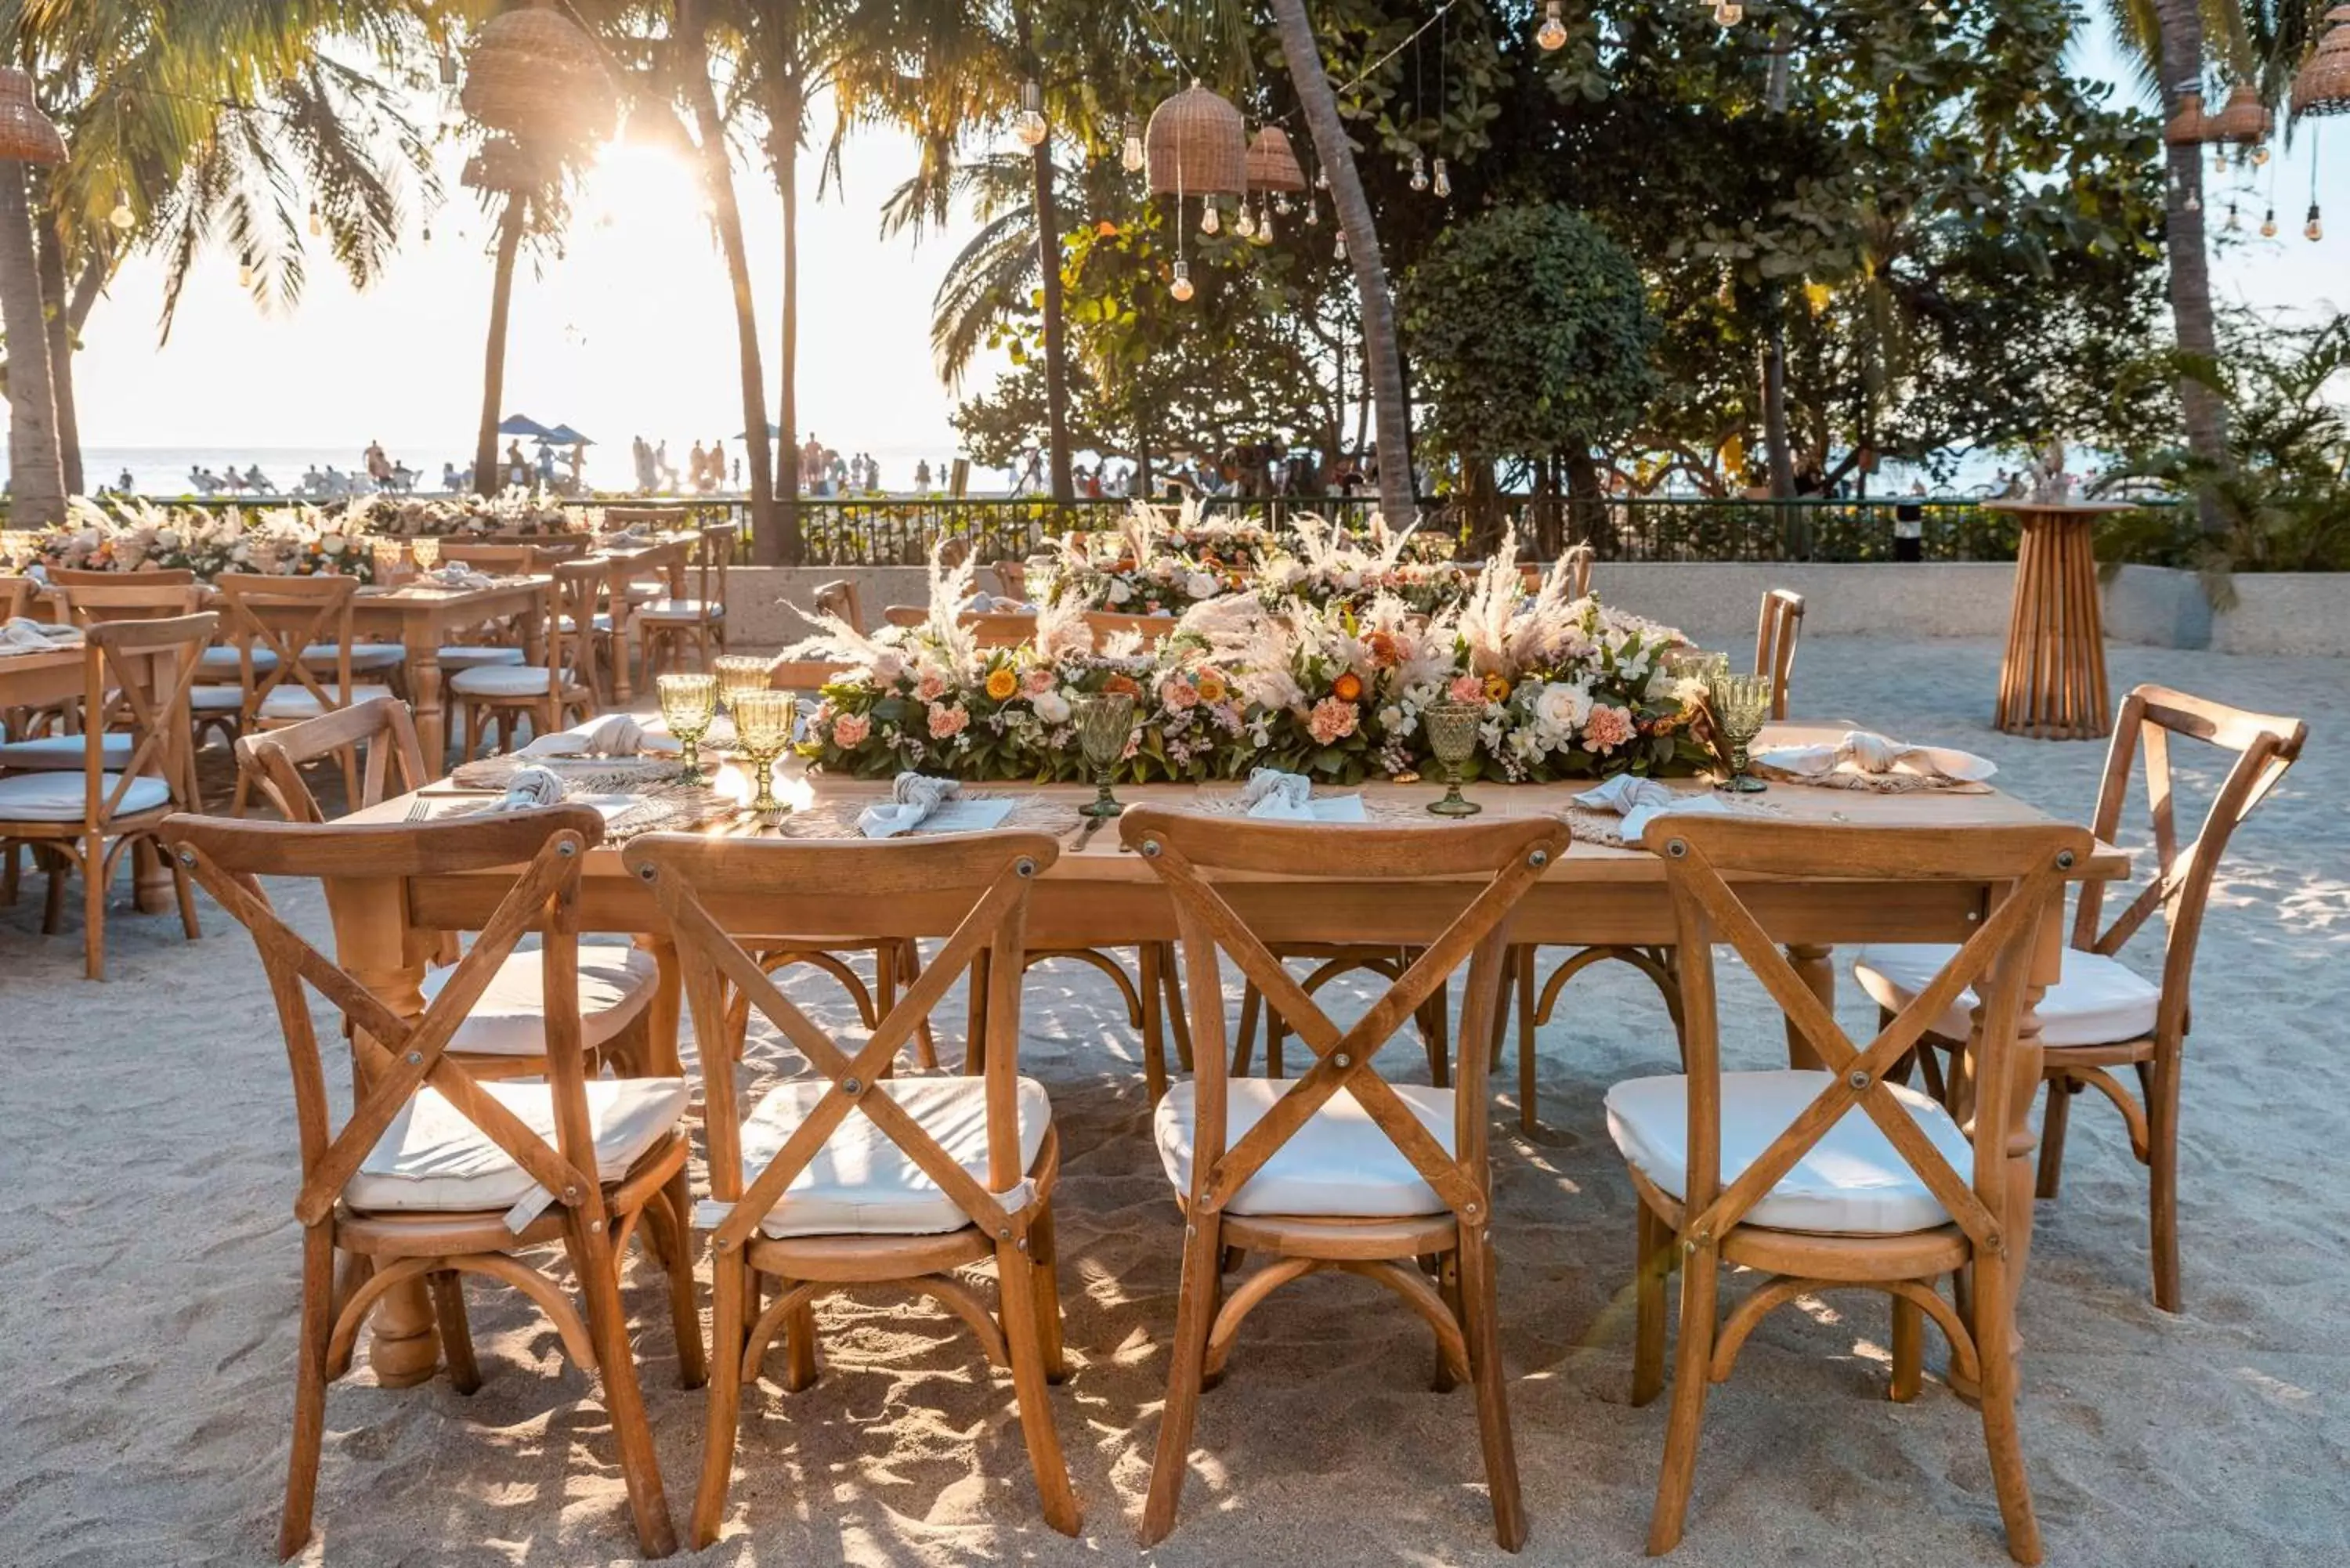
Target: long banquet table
(1100,896)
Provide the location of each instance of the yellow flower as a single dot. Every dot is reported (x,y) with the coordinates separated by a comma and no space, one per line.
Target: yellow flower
(1001,685)
(1497,688)
(1210,685)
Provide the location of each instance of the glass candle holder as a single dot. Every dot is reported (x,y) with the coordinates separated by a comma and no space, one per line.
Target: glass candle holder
(763,729)
(1105,724)
(426,550)
(688,702)
(1453,736)
(388,554)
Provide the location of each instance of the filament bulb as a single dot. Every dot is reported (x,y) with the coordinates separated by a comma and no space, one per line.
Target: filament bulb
(1551,36)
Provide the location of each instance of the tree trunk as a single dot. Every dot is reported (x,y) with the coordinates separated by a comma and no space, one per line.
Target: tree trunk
(1775,441)
(1397,501)
(58,311)
(718,175)
(1048,269)
(2191,268)
(35,477)
(783,151)
(488,476)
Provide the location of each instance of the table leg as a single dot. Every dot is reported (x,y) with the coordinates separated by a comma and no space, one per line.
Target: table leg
(617,592)
(662,1013)
(152,891)
(1815,965)
(424,698)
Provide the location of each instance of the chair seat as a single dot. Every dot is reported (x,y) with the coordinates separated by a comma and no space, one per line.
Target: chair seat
(599,621)
(432,1159)
(681,611)
(1340,1164)
(294,700)
(1853,1182)
(216,699)
(63,797)
(504,680)
(224,663)
(508,1019)
(862,1184)
(370,656)
(53,753)
(2100,1000)
(469,657)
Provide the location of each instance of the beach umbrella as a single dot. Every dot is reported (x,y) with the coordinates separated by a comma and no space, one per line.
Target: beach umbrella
(774,432)
(522,425)
(564,435)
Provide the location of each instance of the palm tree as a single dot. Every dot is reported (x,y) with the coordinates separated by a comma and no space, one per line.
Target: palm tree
(513,218)
(35,472)
(994,277)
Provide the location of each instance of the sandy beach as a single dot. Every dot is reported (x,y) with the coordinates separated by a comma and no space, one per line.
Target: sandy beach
(149,1268)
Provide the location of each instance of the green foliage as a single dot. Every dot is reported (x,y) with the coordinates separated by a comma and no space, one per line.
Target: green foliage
(1530,334)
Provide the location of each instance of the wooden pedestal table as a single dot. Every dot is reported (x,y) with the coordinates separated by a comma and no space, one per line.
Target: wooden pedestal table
(426,619)
(665,555)
(2052,684)
(1099,897)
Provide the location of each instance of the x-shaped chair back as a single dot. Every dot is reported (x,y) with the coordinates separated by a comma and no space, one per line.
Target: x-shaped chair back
(711,556)
(135,680)
(91,577)
(2265,745)
(15,596)
(1776,632)
(2029,866)
(839,598)
(88,604)
(576,587)
(689,873)
(1195,856)
(284,615)
(397,1056)
(382,728)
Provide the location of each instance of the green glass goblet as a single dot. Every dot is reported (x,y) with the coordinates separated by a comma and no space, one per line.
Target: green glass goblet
(1105,724)
(1452,735)
(1742,705)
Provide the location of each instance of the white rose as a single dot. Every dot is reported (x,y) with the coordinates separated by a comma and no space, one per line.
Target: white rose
(331,543)
(85,540)
(1051,707)
(1350,581)
(1199,585)
(1562,708)
(240,553)
(168,538)
(1118,592)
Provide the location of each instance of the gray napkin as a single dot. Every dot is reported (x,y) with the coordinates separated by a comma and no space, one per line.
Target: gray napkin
(530,788)
(913,797)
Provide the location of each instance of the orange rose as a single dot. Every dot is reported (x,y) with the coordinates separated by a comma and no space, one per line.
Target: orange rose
(1347,688)
(1497,688)
(1001,685)
(1211,686)
(1383,652)
(1121,686)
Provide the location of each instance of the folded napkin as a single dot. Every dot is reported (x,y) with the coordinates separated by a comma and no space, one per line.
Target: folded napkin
(1272,795)
(617,735)
(22,634)
(457,574)
(1866,760)
(531,789)
(914,798)
(1640,801)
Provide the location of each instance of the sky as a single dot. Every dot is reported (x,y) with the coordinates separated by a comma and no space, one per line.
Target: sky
(631,331)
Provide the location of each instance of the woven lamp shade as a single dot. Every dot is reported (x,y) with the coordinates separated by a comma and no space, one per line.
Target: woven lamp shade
(2244,119)
(534,75)
(26,134)
(1272,163)
(504,164)
(2190,127)
(1196,146)
(2323,86)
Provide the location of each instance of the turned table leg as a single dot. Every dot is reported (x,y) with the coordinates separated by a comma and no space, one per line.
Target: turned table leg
(424,698)
(1815,966)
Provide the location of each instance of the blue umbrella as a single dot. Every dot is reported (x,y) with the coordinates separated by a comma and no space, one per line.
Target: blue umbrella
(522,425)
(564,435)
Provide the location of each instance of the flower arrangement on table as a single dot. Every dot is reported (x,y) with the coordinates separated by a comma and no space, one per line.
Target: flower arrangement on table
(1569,690)
(1155,563)
(514,513)
(139,537)
(1321,563)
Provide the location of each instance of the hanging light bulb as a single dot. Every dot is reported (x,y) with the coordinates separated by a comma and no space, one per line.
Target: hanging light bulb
(318,224)
(428,231)
(2259,155)
(1313,214)
(1728,13)
(244,272)
(1209,222)
(1442,183)
(1182,285)
(1321,179)
(453,110)
(1419,172)
(1263,236)
(1338,251)
(2194,202)
(2315,230)
(1551,36)
(1030,127)
(1131,155)
(1244,222)
(122,217)
(2269,225)
(2234,223)
(1283,204)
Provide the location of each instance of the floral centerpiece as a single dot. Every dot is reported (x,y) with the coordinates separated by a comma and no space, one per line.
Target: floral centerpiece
(514,513)
(1155,563)
(1568,689)
(1321,563)
(139,537)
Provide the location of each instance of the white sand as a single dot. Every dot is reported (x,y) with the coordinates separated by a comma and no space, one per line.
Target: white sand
(148,1268)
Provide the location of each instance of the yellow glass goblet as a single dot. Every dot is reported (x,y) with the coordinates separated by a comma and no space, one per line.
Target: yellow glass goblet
(426,550)
(763,728)
(688,702)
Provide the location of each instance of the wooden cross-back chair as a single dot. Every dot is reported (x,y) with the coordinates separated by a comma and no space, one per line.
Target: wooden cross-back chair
(839,598)
(133,767)
(666,625)
(1105,625)
(17,597)
(518,560)
(1010,577)
(1574,562)
(87,578)
(500,695)
(124,597)
(290,619)
(856,1177)
(391,760)
(585,1163)
(989,629)
(2102,1015)
(1776,632)
(1371,1184)
(1838,1178)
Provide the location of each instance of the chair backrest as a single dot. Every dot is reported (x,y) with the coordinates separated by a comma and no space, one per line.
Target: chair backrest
(284,615)
(135,680)
(118,598)
(2029,864)
(906,615)
(951,551)
(1012,578)
(397,1056)
(1187,852)
(86,578)
(711,556)
(2265,744)
(1776,635)
(654,519)
(574,590)
(994,871)
(17,597)
(513,560)
(839,598)
(384,728)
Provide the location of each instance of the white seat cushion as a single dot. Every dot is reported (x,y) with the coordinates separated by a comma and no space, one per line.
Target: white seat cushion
(1853,1182)
(682,610)
(364,655)
(508,1019)
(471,657)
(862,1184)
(503,680)
(292,699)
(1340,1163)
(215,663)
(216,699)
(2099,1002)
(432,1158)
(62,796)
(66,752)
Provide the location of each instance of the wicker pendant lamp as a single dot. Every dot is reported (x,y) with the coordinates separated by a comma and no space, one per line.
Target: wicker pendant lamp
(2244,119)
(1196,145)
(2190,126)
(504,164)
(2322,85)
(1271,163)
(533,73)
(26,134)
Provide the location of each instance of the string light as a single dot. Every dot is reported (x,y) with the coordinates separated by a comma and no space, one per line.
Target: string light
(122,217)
(318,224)
(1338,251)
(1244,222)
(1442,183)
(1263,236)
(244,272)
(1131,156)
(2235,224)
(1419,172)
(2315,230)
(1551,36)
(1030,127)
(1313,214)
(1209,222)
(453,110)
(1182,285)
(2259,155)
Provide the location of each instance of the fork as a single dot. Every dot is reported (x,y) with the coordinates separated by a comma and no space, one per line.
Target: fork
(420,809)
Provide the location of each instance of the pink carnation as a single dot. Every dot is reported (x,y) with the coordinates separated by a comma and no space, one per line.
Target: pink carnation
(931,687)
(849,731)
(947,720)
(1607,728)
(1332,721)
(1177,694)
(1039,681)
(1467,688)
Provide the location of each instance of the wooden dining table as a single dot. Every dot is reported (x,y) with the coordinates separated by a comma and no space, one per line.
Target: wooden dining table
(1100,896)
(666,554)
(425,618)
(38,680)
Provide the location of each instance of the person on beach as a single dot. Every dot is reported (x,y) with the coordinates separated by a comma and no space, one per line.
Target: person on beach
(697,467)
(379,466)
(922,477)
